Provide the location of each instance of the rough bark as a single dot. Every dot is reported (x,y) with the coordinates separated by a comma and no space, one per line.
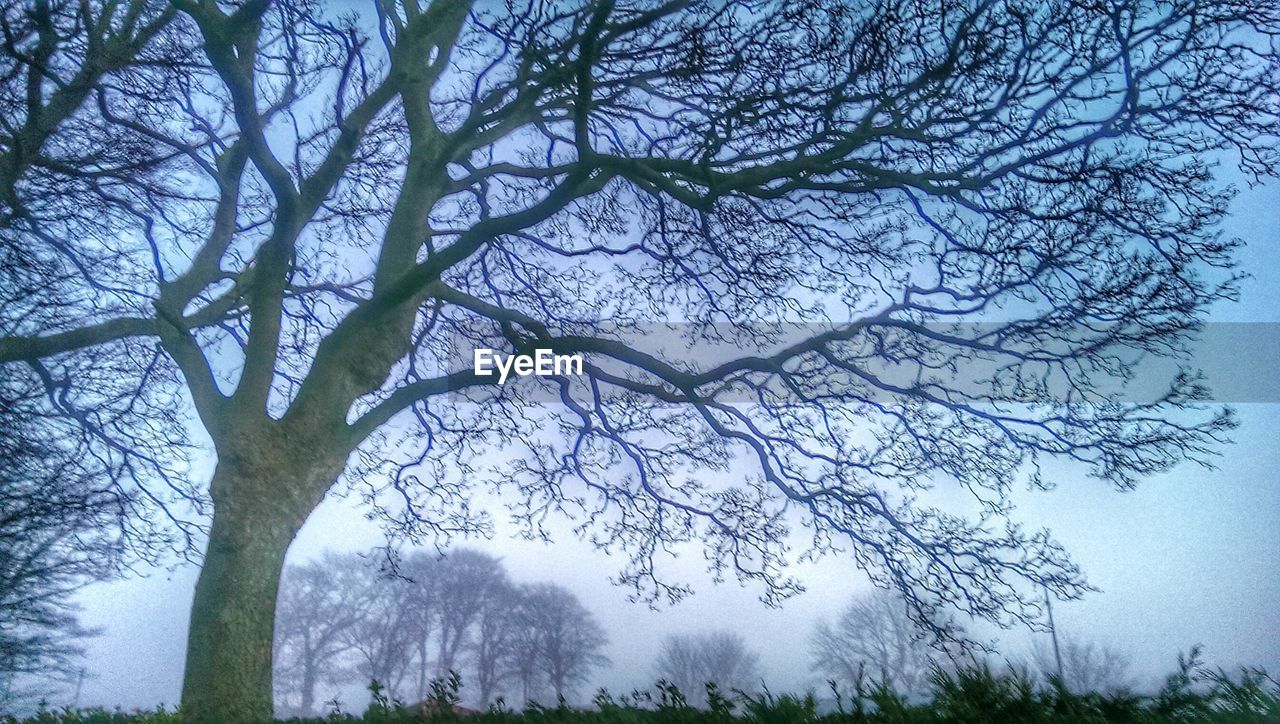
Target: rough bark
(229,645)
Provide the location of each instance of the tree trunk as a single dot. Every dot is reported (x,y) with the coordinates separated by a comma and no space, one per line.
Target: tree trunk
(308,688)
(229,644)
(422,668)
(485,684)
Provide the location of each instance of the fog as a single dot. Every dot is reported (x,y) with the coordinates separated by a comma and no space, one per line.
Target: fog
(1187,558)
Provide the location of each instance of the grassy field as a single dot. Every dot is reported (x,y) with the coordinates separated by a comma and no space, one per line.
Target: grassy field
(1191,694)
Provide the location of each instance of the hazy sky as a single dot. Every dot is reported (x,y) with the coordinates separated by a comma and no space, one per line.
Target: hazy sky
(1189,557)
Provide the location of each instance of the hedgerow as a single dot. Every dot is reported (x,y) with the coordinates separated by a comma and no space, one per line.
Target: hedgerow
(977,695)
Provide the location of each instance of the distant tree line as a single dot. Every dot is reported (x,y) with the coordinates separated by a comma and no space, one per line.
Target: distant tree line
(873,643)
(343,619)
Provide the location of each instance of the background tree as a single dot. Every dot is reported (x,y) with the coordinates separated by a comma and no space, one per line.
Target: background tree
(62,527)
(420,619)
(386,633)
(290,220)
(45,505)
(466,580)
(320,605)
(874,641)
(343,619)
(493,648)
(524,656)
(566,637)
(1086,666)
(692,661)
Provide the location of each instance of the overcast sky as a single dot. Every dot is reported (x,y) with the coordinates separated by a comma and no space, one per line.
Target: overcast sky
(1190,557)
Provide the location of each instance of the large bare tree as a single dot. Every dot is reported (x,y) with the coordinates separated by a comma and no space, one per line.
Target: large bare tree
(975,213)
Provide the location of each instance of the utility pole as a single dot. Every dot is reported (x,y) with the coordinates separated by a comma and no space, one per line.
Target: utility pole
(1053,631)
(79,684)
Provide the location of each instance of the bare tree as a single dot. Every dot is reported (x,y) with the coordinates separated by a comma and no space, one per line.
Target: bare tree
(449,594)
(419,617)
(41,565)
(495,646)
(386,634)
(1086,666)
(319,606)
(525,646)
(565,639)
(290,220)
(61,528)
(426,615)
(875,641)
(466,580)
(692,661)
